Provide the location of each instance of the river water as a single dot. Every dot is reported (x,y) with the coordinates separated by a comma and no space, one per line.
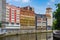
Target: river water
(33,36)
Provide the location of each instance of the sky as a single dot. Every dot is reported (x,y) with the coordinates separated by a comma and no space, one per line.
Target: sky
(38,5)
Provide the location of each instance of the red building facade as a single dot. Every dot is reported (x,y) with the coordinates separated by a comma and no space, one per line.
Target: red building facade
(12,17)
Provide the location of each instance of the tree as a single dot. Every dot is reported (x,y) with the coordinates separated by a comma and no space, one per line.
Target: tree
(56,23)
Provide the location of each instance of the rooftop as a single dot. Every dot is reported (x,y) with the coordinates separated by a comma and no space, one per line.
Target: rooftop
(41,15)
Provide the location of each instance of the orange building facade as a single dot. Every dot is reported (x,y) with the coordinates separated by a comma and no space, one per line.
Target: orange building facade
(27,17)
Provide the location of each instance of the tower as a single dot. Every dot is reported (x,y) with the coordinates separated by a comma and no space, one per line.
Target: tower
(49,16)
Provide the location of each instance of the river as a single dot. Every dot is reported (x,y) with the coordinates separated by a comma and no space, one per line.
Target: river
(30,36)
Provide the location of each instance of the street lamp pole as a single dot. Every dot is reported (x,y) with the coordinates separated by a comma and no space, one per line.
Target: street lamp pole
(36,22)
(36,25)
(46,24)
(46,29)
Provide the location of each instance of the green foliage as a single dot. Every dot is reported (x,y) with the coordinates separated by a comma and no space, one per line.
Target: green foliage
(56,23)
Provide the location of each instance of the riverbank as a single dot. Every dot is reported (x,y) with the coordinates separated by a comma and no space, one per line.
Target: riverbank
(24,32)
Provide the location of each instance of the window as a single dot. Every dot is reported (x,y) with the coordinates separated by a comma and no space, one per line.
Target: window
(17,15)
(38,18)
(7,12)
(7,9)
(17,23)
(44,22)
(7,23)
(18,11)
(7,15)
(44,19)
(12,11)
(31,9)
(17,18)
(12,23)
(12,15)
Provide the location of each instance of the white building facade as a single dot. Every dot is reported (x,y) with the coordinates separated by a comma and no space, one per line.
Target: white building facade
(49,16)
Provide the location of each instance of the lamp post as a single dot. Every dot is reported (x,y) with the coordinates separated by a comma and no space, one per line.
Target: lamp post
(36,26)
(46,29)
(36,22)
(46,24)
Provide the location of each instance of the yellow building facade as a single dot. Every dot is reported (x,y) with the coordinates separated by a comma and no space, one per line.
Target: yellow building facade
(27,18)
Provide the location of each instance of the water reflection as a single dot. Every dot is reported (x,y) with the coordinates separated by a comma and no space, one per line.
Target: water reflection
(36,36)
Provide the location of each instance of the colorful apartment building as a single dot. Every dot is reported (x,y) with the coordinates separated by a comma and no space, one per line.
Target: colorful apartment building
(41,21)
(12,19)
(27,17)
(44,21)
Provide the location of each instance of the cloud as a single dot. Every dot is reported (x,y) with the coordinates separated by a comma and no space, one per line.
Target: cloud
(16,0)
(52,0)
(8,0)
(25,1)
(48,3)
(21,1)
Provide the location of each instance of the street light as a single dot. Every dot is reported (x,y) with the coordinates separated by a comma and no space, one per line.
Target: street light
(36,22)
(46,24)
(46,29)
(36,26)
